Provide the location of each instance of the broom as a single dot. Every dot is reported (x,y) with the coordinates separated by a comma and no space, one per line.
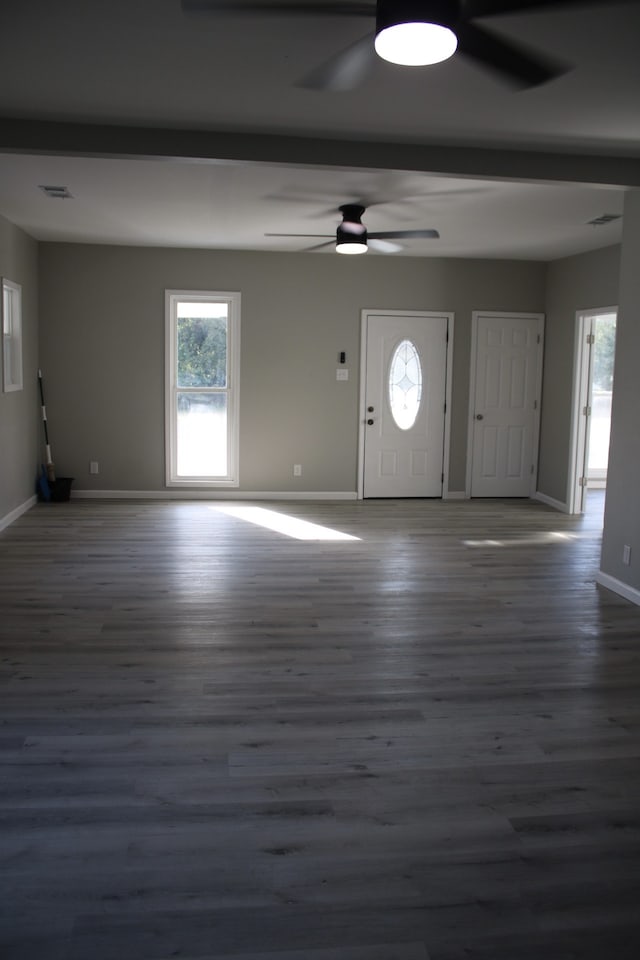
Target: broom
(50,468)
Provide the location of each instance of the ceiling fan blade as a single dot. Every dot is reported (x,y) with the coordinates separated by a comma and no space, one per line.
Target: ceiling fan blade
(319,246)
(403,234)
(344,71)
(384,246)
(365,8)
(488,8)
(512,61)
(328,238)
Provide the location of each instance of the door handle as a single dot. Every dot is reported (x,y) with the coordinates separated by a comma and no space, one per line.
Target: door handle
(479,416)
(370,422)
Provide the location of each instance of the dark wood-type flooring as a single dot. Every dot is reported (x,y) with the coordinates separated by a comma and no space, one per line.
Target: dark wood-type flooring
(218,741)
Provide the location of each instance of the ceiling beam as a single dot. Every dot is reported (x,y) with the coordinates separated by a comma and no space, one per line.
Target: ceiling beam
(102,140)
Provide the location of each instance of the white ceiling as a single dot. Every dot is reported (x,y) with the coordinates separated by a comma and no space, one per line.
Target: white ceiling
(177,130)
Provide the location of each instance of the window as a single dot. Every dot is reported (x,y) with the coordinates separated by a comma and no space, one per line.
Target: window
(11,336)
(202,388)
(405,384)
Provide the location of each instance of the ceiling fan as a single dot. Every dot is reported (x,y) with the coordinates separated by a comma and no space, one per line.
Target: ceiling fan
(352,237)
(412,33)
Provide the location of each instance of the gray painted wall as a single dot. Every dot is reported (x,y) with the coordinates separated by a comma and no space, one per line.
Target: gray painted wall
(20,410)
(622,513)
(102,344)
(584,282)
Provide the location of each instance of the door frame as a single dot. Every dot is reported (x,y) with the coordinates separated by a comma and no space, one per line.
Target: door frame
(475,314)
(581,390)
(364,324)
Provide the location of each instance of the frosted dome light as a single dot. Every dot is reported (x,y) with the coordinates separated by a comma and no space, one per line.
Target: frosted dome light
(416,44)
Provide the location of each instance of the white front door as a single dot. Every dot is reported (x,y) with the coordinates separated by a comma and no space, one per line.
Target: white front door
(404,396)
(505,400)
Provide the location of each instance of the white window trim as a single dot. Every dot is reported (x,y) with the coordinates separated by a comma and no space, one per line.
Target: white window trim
(12,344)
(172,297)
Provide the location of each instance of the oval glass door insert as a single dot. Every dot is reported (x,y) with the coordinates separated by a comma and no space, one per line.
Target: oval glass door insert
(405,384)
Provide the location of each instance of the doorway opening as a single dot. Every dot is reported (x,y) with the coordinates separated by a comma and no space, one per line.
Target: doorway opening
(593,388)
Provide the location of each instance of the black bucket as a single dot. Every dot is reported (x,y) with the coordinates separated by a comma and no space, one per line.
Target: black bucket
(60,489)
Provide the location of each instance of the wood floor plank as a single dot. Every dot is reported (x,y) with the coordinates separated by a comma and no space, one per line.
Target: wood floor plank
(218,742)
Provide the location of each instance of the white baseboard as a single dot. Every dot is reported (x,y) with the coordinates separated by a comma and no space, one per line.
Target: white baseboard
(11,517)
(550,502)
(617,586)
(226,494)
(454,495)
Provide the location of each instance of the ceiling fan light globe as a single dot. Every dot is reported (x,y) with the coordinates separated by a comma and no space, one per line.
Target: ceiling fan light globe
(416,44)
(351,248)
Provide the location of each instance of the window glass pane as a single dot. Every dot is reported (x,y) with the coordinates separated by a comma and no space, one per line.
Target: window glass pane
(11,336)
(202,382)
(405,384)
(202,434)
(6,311)
(202,344)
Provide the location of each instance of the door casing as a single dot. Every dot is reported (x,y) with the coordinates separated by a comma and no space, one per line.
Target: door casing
(582,377)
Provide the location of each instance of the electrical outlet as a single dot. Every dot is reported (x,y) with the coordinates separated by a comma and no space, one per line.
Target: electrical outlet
(94,467)
(297,469)
(626,554)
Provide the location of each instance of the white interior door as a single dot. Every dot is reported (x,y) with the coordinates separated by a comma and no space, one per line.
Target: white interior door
(404,404)
(506,378)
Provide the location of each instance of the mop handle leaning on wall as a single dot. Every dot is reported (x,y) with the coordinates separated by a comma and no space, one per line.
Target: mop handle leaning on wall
(51,470)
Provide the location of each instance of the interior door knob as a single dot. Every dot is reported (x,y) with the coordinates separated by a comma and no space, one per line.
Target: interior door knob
(479,416)
(370,422)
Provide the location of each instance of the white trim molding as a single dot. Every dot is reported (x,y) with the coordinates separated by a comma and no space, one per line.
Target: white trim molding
(582,384)
(180,494)
(13,515)
(551,502)
(617,586)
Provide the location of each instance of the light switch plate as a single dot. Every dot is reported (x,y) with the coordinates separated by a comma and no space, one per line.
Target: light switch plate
(342,373)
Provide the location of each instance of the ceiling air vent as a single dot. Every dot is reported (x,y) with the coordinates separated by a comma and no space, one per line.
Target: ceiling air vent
(604,218)
(56,193)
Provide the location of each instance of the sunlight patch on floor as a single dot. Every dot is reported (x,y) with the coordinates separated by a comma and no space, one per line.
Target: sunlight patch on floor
(283,523)
(540,539)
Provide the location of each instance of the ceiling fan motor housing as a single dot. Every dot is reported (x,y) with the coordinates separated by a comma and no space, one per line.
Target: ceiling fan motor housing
(352,215)
(390,13)
(351,235)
